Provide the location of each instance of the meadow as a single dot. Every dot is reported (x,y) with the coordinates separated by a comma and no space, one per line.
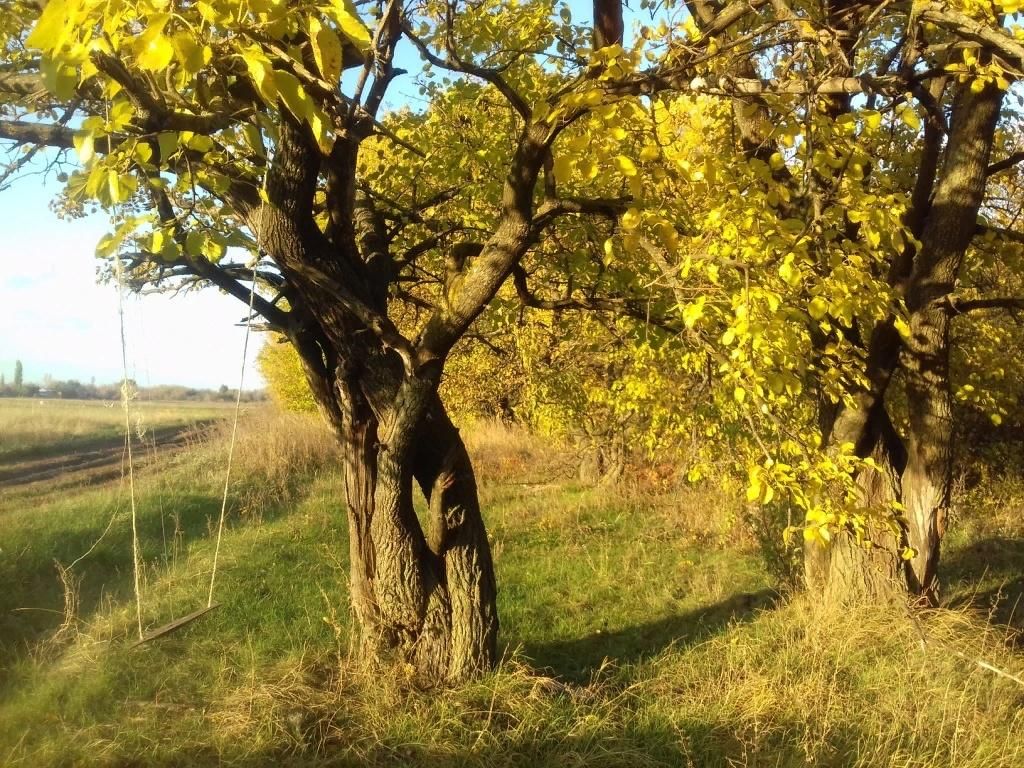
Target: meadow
(641,626)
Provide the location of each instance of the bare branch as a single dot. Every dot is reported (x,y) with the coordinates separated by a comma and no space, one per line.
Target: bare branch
(455,64)
(957,306)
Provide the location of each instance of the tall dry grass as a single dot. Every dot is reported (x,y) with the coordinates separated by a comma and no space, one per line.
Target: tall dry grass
(277,456)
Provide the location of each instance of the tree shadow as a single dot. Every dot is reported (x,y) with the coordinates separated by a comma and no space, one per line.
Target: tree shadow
(578,658)
(988,575)
(33,599)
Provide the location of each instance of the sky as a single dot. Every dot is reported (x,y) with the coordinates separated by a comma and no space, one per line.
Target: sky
(57,321)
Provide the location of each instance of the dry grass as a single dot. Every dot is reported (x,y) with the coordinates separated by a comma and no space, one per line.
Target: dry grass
(512,454)
(794,688)
(31,426)
(277,455)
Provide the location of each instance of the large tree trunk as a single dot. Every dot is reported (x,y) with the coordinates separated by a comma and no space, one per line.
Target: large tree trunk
(950,226)
(866,566)
(946,220)
(425,599)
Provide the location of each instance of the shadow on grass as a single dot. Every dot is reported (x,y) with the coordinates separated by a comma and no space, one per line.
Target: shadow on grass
(577,659)
(988,575)
(32,599)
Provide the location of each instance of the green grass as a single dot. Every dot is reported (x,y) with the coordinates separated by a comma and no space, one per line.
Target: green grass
(640,630)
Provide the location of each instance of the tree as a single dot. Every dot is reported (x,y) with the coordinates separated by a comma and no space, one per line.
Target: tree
(229,126)
(933,175)
(19,373)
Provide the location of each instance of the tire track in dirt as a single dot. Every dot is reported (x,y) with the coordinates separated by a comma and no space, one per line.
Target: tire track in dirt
(98,461)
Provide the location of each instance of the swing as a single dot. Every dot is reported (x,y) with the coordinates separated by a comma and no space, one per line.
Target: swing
(176,624)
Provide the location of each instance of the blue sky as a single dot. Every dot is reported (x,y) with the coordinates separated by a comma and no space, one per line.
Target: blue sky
(58,321)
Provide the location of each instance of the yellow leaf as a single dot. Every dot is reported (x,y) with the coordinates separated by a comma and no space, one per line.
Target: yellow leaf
(625,165)
(84,147)
(154,50)
(650,152)
(114,186)
(261,73)
(818,308)
(192,56)
(327,50)
(352,27)
(754,490)
(563,168)
(910,117)
(293,94)
(52,29)
(609,250)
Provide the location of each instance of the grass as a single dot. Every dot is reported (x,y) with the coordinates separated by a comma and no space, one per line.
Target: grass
(31,427)
(641,629)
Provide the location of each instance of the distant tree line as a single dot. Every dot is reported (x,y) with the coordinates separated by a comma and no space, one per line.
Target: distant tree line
(72,389)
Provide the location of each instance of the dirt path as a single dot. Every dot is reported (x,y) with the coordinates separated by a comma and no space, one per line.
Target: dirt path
(97,461)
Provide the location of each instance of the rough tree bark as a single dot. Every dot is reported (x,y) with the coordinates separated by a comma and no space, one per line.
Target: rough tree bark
(950,225)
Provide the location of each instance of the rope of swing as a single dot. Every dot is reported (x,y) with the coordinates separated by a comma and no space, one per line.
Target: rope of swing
(126,404)
(234,429)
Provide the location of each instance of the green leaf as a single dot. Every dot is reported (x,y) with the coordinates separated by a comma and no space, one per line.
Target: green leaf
(168,144)
(200,143)
(254,139)
(59,78)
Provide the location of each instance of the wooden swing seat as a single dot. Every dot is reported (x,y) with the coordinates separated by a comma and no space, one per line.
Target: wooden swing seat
(173,626)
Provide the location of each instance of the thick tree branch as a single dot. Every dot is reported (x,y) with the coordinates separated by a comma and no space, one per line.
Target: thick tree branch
(550,210)
(994,39)
(957,306)
(46,134)
(1005,164)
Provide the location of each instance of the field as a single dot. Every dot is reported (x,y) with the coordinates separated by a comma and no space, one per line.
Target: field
(642,626)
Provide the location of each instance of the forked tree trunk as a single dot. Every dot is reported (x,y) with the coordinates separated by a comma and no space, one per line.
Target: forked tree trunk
(923,483)
(422,598)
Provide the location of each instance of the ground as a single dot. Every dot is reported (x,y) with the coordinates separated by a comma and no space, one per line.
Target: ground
(641,627)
